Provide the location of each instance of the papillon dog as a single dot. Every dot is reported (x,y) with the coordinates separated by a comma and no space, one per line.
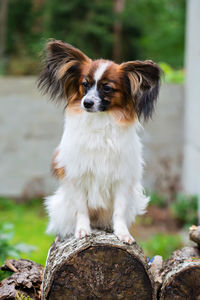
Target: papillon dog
(99,159)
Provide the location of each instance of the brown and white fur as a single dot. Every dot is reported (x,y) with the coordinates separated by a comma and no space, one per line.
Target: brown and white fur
(99,159)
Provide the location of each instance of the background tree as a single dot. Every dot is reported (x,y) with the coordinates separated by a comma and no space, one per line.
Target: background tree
(3,30)
(114,29)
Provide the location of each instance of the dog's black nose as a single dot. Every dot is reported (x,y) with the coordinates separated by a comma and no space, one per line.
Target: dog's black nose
(88,103)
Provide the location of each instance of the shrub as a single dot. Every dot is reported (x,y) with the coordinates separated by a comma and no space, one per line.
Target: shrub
(184,209)
(157,200)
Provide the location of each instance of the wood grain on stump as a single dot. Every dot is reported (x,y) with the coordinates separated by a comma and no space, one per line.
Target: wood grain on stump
(96,267)
(181,275)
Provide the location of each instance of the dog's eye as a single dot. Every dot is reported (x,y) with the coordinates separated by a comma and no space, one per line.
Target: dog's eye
(107,88)
(85,84)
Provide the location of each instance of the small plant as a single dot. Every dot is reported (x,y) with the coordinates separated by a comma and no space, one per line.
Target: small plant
(6,248)
(20,296)
(30,221)
(161,244)
(184,209)
(157,200)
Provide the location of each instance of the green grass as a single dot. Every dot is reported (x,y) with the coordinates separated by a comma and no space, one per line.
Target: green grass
(30,221)
(161,244)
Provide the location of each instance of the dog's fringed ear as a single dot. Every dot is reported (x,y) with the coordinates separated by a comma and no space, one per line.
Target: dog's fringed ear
(61,70)
(142,83)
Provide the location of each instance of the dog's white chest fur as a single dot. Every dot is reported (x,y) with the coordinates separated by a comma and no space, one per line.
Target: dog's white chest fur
(98,154)
(102,161)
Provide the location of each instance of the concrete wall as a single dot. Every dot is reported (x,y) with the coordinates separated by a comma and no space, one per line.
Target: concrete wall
(31,127)
(163,142)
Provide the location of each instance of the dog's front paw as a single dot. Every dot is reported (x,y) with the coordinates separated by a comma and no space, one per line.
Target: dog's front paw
(125,237)
(82,232)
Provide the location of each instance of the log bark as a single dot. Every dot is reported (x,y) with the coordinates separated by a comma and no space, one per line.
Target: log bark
(194,234)
(96,267)
(181,275)
(26,280)
(155,268)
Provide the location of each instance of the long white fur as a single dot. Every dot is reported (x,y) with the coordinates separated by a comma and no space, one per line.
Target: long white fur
(100,70)
(103,162)
(103,165)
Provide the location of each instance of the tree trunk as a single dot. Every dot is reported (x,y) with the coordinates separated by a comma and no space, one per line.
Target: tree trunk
(181,275)
(117,30)
(37,26)
(3,27)
(96,267)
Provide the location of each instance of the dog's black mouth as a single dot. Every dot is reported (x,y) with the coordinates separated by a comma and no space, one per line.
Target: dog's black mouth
(90,110)
(93,110)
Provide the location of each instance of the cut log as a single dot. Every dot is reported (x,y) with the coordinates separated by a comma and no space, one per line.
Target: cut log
(155,268)
(194,234)
(181,275)
(25,281)
(96,267)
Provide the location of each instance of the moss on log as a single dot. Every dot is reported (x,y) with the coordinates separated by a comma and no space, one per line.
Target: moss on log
(96,267)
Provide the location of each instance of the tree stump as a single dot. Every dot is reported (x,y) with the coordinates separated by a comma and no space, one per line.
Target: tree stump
(96,267)
(181,275)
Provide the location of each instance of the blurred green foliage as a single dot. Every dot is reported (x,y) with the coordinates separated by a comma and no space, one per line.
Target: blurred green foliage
(5,274)
(9,250)
(6,248)
(171,75)
(29,225)
(184,209)
(161,244)
(150,29)
(163,24)
(157,200)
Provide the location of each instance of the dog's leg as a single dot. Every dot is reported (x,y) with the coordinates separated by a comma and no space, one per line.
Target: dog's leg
(82,218)
(119,218)
(82,225)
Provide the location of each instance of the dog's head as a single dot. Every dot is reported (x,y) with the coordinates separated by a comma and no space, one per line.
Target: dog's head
(128,90)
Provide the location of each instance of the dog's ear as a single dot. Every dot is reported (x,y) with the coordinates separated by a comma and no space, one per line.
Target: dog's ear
(62,67)
(142,80)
